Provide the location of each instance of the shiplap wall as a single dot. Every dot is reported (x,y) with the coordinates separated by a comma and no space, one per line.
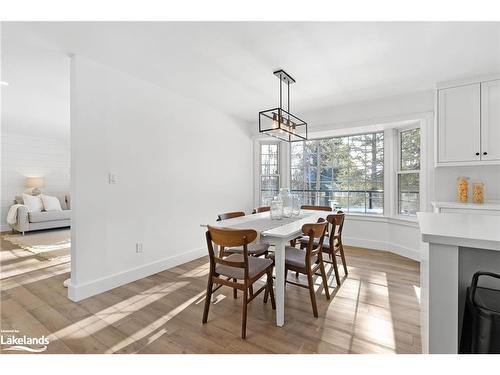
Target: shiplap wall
(25,155)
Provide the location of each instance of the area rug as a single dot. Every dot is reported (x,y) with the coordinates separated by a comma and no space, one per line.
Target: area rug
(48,245)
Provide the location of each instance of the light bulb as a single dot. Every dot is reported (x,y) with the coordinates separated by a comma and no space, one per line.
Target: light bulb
(275,122)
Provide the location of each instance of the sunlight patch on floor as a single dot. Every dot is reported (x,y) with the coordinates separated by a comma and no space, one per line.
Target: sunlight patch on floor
(144,332)
(198,271)
(369,324)
(118,311)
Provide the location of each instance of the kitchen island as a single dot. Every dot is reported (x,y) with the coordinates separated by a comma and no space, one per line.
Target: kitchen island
(459,246)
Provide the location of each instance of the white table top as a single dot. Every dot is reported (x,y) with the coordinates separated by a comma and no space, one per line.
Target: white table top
(272,228)
(468,230)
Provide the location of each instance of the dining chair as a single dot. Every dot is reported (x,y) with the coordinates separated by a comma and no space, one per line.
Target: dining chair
(258,210)
(313,208)
(316,208)
(229,215)
(238,271)
(310,261)
(332,243)
(254,249)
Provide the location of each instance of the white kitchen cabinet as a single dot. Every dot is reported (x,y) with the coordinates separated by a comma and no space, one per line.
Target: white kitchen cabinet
(468,122)
(490,120)
(459,119)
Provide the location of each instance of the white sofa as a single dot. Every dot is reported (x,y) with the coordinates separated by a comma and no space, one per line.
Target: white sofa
(28,221)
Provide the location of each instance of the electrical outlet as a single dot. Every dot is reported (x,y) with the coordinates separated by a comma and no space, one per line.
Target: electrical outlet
(111,178)
(138,247)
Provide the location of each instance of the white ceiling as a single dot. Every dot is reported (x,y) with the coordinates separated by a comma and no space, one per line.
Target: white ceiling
(230,65)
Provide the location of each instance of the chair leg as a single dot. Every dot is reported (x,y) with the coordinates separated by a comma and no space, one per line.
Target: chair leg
(269,289)
(325,281)
(312,294)
(235,291)
(208,299)
(250,288)
(336,268)
(341,247)
(244,315)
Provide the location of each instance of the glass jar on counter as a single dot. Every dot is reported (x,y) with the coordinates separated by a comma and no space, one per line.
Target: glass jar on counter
(477,192)
(462,189)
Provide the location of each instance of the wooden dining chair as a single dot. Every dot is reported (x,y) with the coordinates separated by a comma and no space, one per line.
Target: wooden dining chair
(310,261)
(254,249)
(238,271)
(229,215)
(315,208)
(258,210)
(332,243)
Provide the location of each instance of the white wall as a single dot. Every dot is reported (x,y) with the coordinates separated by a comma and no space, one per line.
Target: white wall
(446,181)
(372,111)
(24,156)
(177,164)
(36,101)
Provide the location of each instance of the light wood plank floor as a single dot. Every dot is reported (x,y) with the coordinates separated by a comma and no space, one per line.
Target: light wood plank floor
(375,310)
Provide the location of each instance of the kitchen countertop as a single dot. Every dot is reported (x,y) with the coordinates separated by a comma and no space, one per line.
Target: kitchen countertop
(461,229)
(488,205)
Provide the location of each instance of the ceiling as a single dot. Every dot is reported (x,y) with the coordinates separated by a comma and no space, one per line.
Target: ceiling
(230,65)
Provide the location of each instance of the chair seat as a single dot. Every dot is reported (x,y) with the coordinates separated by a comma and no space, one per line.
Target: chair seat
(255,249)
(255,266)
(296,257)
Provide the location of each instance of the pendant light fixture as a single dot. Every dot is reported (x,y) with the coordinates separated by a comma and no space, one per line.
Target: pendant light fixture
(279,123)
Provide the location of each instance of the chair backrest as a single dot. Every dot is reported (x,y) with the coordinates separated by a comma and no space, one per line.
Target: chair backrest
(229,215)
(258,210)
(227,237)
(337,223)
(314,231)
(316,208)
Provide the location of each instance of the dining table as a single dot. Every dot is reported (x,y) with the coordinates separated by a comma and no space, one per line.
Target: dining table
(276,232)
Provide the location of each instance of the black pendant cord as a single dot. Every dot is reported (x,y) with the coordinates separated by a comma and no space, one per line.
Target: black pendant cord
(281,84)
(288,97)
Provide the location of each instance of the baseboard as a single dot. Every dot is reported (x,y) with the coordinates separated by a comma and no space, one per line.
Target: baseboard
(81,291)
(383,246)
(5,228)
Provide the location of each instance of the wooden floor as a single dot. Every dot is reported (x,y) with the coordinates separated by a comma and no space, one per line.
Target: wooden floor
(375,310)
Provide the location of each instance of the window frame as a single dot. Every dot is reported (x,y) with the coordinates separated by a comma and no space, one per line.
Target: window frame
(278,167)
(383,213)
(398,171)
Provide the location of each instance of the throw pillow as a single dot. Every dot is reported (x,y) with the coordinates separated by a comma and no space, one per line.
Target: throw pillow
(51,203)
(34,203)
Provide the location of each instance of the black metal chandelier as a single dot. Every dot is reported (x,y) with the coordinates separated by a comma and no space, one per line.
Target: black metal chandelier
(279,123)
